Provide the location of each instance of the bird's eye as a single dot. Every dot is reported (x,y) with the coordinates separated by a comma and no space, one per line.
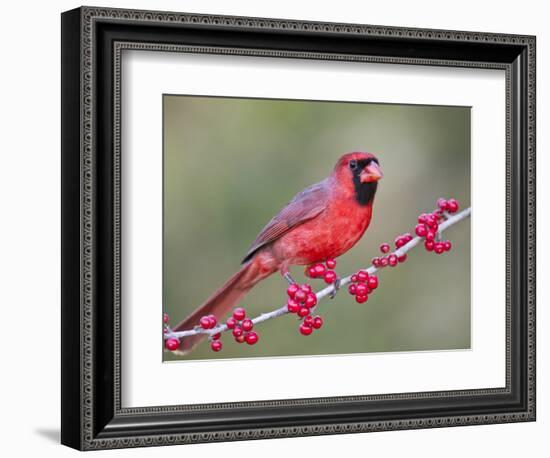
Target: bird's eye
(353,164)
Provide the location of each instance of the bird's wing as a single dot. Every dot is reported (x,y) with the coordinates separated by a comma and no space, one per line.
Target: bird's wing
(304,206)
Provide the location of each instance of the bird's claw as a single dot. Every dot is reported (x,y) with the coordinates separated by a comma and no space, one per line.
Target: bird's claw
(289,279)
(336,287)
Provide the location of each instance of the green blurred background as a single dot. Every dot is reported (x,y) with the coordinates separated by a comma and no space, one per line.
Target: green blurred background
(231,164)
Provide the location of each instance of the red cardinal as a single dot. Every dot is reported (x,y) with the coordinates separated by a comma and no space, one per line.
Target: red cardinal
(323,221)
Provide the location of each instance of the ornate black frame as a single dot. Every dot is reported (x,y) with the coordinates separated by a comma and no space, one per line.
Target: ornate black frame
(92,42)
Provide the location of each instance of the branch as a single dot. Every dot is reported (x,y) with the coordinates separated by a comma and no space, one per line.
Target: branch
(329,290)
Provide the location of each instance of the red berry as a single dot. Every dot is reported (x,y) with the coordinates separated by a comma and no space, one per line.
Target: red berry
(383,262)
(447,245)
(251,338)
(399,242)
(392,259)
(421,230)
(375,262)
(430,236)
(205,322)
(361,289)
(217,336)
(303,311)
(231,322)
(354,278)
(311,300)
(306,288)
(172,344)
(308,320)
(213,321)
(310,272)
(317,322)
(165,318)
(239,313)
(361,299)
(240,339)
(319,270)
(237,331)
(452,205)
(408,237)
(402,258)
(300,296)
(423,218)
(352,289)
(373,282)
(429,245)
(331,263)
(247,325)
(292,289)
(216,345)
(439,248)
(384,248)
(442,204)
(434,227)
(305,330)
(362,275)
(292,305)
(330,276)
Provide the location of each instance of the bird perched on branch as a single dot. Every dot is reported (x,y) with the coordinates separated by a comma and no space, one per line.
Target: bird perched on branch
(323,221)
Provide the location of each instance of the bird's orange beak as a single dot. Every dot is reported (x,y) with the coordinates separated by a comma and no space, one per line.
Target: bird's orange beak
(371,173)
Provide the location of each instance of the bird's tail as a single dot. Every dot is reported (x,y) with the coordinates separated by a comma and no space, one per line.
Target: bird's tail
(221,302)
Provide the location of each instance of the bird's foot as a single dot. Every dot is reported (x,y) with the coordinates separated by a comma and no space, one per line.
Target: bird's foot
(288,278)
(336,287)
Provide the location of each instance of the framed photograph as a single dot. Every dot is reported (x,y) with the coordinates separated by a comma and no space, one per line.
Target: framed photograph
(276,228)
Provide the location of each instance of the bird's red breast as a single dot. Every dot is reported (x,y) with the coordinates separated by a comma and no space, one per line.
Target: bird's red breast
(338,228)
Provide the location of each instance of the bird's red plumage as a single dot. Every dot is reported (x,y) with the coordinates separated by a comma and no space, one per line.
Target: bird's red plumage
(306,205)
(323,221)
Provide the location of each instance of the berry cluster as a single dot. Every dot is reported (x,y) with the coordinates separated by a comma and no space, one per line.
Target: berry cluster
(301,299)
(171,343)
(242,327)
(392,259)
(310,323)
(362,284)
(324,271)
(448,205)
(208,322)
(428,225)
